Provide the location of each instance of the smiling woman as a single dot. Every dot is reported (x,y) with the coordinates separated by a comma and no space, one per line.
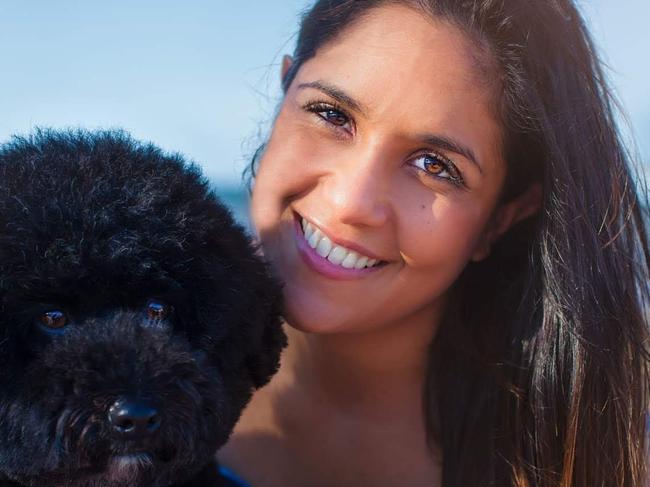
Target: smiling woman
(379,176)
(446,198)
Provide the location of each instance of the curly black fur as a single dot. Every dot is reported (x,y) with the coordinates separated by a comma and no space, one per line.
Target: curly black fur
(94,224)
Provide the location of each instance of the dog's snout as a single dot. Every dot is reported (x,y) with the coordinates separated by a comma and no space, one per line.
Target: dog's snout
(133,418)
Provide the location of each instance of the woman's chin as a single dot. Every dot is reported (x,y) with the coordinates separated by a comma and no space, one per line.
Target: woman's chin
(329,319)
(316,327)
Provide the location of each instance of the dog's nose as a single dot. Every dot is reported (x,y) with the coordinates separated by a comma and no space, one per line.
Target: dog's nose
(133,418)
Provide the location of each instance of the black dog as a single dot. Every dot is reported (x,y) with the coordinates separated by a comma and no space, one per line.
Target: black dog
(135,319)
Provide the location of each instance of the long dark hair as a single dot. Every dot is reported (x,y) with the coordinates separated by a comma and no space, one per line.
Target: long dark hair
(539,374)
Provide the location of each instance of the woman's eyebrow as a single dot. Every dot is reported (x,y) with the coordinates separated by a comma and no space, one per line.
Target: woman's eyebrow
(336,93)
(451,145)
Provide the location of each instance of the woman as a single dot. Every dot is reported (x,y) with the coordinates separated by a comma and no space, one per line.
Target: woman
(447,199)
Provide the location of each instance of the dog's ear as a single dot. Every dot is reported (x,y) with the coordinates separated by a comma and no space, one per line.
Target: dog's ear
(237,300)
(265,336)
(264,360)
(239,307)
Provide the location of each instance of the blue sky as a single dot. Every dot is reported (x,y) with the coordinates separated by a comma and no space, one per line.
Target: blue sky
(200,76)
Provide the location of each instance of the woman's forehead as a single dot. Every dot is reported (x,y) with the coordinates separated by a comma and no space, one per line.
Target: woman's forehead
(405,42)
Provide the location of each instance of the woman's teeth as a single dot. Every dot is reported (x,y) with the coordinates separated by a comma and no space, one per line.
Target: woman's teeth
(334,253)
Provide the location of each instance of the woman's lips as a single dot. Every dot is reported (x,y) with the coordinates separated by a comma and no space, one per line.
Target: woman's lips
(323,266)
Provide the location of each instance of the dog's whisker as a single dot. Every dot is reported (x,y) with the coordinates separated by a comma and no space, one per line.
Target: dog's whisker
(60,435)
(87,433)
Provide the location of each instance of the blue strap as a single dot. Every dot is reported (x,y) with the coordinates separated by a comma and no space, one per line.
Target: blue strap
(235,480)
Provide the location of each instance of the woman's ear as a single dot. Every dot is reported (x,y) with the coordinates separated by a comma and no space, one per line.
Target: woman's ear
(287,62)
(526,204)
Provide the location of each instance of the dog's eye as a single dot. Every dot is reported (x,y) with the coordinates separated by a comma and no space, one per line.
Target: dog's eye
(54,319)
(157,310)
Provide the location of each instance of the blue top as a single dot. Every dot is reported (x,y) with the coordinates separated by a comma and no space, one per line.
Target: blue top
(231,478)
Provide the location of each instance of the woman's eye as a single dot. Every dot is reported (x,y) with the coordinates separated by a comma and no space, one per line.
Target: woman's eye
(331,115)
(157,310)
(53,320)
(438,167)
(334,117)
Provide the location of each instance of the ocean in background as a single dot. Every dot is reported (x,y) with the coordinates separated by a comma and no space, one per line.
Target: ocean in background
(236,198)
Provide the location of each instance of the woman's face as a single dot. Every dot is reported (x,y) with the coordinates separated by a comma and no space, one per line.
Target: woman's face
(386,145)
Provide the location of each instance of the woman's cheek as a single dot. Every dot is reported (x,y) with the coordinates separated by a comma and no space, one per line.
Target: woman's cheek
(278,178)
(443,237)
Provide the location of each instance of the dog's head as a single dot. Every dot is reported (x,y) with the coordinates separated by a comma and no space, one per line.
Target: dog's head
(135,319)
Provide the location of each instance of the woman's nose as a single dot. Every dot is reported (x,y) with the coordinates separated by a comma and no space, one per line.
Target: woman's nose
(358,192)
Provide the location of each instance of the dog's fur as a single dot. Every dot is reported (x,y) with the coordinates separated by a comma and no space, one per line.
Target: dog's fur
(94,224)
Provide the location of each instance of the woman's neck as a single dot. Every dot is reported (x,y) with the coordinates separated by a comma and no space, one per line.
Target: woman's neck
(375,373)
(342,406)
